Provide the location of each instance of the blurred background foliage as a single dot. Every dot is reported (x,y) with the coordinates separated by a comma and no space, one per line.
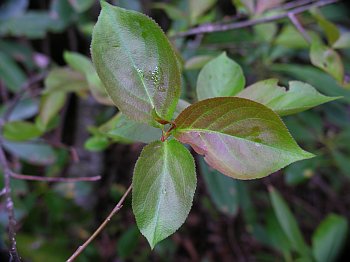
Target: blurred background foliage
(63,125)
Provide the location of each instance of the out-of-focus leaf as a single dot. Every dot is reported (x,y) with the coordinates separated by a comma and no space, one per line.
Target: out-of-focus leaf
(65,80)
(24,109)
(301,171)
(96,143)
(288,223)
(323,82)
(222,189)
(127,4)
(343,41)
(290,37)
(10,8)
(265,32)
(197,62)
(220,77)
(11,73)
(81,5)
(128,242)
(197,8)
(20,131)
(327,59)
(63,11)
(331,30)
(32,152)
(19,52)
(172,11)
(122,129)
(329,238)
(264,5)
(50,105)
(342,161)
(84,66)
(244,6)
(147,84)
(32,24)
(230,131)
(299,97)
(164,183)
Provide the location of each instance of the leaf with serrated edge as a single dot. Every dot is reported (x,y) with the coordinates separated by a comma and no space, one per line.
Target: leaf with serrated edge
(164,183)
(239,137)
(298,98)
(220,77)
(136,63)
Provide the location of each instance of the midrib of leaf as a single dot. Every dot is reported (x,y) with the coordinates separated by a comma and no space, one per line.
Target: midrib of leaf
(164,169)
(131,60)
(234,137)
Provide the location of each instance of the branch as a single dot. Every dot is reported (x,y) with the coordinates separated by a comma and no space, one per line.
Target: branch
(101,227)
(299,27)
(14,256)
(210,28)
(54,179)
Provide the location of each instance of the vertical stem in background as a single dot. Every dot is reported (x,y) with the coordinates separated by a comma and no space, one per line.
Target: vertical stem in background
(9,207)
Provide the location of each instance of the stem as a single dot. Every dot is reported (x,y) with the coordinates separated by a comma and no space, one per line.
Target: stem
(101,227)
(14,256)
(210,28)
(54,179)
(299,27)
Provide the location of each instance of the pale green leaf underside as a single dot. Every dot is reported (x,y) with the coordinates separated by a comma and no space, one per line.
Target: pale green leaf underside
(125,130)
(220,77)
(239,137)
(164,183)
(298,98)
(136,64)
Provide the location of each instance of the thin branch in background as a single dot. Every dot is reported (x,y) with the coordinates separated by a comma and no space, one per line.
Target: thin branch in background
(101,227)
(55,179)
(299,27)
(294,4)
(210,28)
(14,256)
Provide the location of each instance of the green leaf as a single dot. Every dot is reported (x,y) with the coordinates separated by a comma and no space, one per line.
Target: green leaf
(64,80)
(96,143)
(290,37)
(50,106)
(81,5)
(239,137)
(220,77)
(128,242)
(314,76)
(164,183)
(123,129)
(172,11)
(343,41)
(20,131)
(136,63)
(11,73)
(84,66)
(329,238)
(197,62)
(299,97)
(327,59)
(330,29)
(32,152)
(222,189)
(288,223)
(199,8)
(32,24)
